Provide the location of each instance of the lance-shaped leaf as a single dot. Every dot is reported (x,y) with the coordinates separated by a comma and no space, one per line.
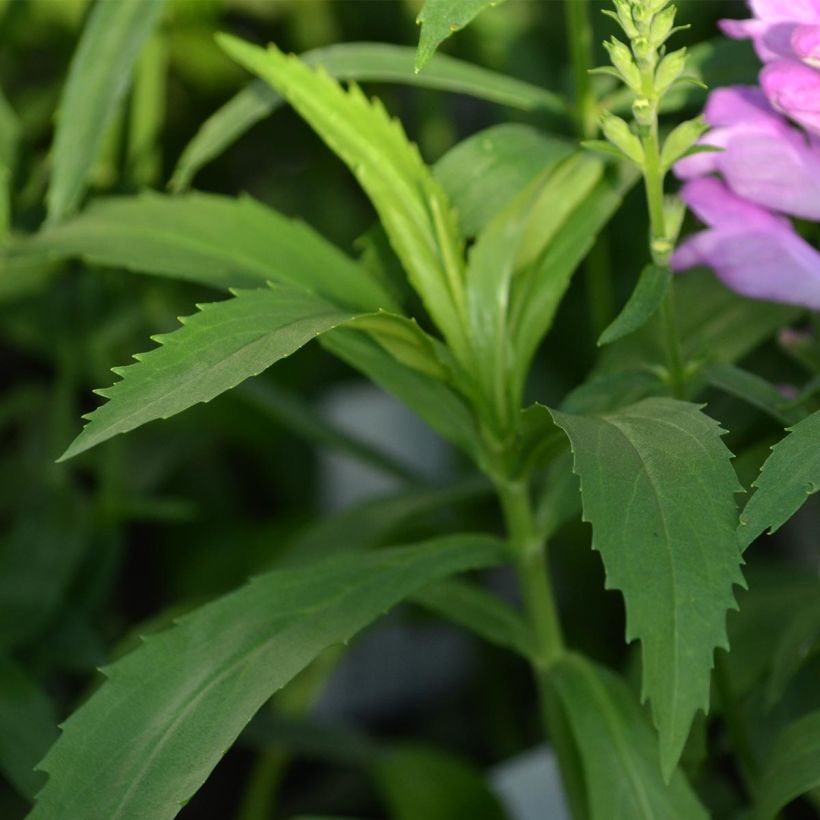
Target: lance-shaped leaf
(790,475)
(644,301)
(658,488)
(618,749)
(97,81)
(214,350)
(363,62)
(792,769)
(441,18)
(214,240)
(412,206)
(169,710)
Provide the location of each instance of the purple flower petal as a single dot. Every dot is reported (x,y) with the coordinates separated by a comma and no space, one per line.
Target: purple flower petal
(713,203)
(794,89)
(805,43)
(740,104)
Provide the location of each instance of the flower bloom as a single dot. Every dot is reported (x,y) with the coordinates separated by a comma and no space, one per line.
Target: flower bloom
(767,169)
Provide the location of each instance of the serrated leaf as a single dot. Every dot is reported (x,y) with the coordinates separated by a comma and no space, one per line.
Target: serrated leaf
(28,726)
(647,297)
(98,78)
(481,612)
(439,19)
(790,475)
(658,488)
(420,781)
(363,62)
(215,240)
(215,349)
(792,768)
(412,206)
(188,692)
(618,748)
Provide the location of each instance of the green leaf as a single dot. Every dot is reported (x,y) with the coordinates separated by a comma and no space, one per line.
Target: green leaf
(97,81)
(618,748)
(476,609)
(364,62)
(9,134)
(485,172)
(793,767)
(28,726)
(647,297)
(794,646)
(752,389)
(215,240)
(559,500)
(790,475)
(658,489)
(437,403)
(188,692)
(422,781)
(439,19)
(214,350)
(412,206)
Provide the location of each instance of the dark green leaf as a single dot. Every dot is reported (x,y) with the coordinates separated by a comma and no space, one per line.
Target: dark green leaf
(439,19)
(658,489)
(187,693)
(799,640)
(214,350)
(790,475)
(28,726)
(97,81)
(364,62)
(793,767)
(476,609)
(424,782)
(618,748)
(214,240)
(644,301)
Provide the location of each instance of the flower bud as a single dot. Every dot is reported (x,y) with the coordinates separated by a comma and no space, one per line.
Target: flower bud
(643,50)
(670,69)
(681,139)
(662,26)
(623,10)
(643,111)
(618,133)
(622,60)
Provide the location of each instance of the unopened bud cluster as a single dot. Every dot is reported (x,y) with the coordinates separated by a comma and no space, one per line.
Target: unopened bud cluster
(646,67)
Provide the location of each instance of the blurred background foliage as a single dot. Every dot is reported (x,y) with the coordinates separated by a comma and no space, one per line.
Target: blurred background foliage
(98,551)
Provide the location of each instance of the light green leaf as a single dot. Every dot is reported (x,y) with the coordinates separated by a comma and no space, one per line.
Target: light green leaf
(412,206)
(752,389)
(421,781)
(793,767)
(28,726)
(97,81)
(188,692)
(215,349)
(658,488)
(364,62)
(618,749)
(481,612)
(215,240)
(790,475)
(439,19)
(647,297)
(483,173)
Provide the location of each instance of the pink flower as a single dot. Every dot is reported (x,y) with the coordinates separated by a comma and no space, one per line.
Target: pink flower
(751,250)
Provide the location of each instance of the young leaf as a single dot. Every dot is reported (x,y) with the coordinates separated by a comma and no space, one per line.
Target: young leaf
(793,767)
(97,81)
(363,62)
(439,19)
(215,240)
(412,206)
(644,301)
(28,726)
(658,488)
(214,350)
(419,781)
(481,612)
(187,692)
(790,475)
(618,748)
